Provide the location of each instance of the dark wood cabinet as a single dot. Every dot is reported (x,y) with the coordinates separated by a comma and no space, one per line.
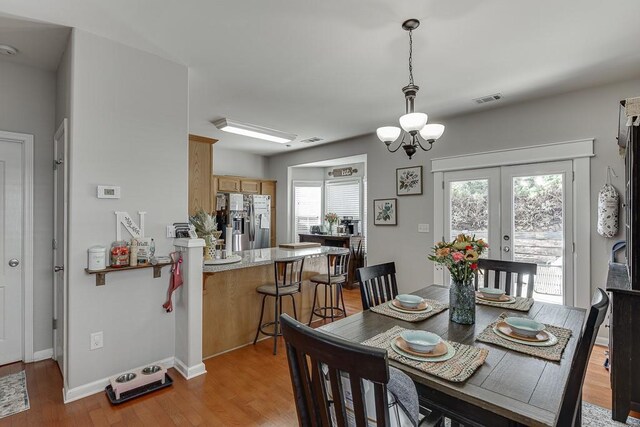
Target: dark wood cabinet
(339,241)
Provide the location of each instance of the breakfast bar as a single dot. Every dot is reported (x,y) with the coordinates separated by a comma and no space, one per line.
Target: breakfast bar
(231,305)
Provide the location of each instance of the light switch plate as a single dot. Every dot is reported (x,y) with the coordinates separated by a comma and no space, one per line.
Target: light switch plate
(423,228)
(97,340)
(108,192)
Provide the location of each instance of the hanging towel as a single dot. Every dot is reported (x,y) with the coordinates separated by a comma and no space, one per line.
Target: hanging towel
(175,281)
(608,202)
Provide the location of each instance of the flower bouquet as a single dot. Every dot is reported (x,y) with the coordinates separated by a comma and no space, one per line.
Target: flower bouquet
(331,218)
(460,257)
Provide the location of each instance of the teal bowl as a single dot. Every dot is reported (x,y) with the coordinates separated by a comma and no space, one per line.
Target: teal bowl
(421,341)
(409,301)
(524,326)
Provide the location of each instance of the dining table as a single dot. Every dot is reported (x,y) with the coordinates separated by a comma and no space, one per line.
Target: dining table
(509,389)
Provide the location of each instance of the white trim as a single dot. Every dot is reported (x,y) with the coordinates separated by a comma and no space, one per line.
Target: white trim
(569,150)
(27,240)
(189,372)
(438,222)
(99,385)
(43,354)
(603,341)
(582,230)
(189,243)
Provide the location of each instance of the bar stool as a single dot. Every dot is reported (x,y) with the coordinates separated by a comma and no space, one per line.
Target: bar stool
(337,272)
(288,282)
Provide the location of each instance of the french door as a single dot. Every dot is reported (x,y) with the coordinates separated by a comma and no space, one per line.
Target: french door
(525,214)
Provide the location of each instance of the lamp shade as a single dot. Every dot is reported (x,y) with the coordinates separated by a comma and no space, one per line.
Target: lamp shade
(413,121)
(388,133)
(432,131)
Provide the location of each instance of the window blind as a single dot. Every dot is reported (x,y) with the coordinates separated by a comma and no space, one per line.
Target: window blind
(307,199)
(344,198)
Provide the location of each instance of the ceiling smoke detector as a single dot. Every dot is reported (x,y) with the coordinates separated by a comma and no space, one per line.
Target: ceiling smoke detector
(488,98)
(5,49)
(311,140)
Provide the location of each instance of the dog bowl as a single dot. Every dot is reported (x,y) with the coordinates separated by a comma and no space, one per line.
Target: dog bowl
(524,326)
(125,378)
(409,301)
(491,293)
(421,341)
(151,370)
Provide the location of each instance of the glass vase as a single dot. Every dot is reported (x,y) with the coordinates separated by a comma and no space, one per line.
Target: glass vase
(462,302)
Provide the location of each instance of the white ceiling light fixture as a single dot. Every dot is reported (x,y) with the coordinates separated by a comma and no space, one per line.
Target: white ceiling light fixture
(413,124)
(5,49)
(254,131)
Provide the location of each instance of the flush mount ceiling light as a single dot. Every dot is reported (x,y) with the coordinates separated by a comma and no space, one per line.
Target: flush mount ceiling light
(5,49)
(254,131)
(414,125)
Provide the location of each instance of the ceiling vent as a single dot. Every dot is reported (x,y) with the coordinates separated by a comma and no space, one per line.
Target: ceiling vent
(488,98)
(8,50)
(311,140)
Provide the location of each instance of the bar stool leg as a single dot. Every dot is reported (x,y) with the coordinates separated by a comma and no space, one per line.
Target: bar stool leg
(260,321)
(293,301)
(344,308)
(313,306)
(275,327)
(330,286)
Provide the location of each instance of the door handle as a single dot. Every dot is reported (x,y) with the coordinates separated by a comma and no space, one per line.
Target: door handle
(13,262)
(58,268)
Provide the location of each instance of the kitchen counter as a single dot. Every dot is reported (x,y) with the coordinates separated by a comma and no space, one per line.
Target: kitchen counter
(257,257)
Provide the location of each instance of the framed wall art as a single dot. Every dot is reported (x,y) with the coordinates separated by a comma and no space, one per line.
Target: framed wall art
(385,212)
(409,181)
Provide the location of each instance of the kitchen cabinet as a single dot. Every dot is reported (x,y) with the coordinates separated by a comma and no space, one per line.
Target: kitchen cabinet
(249,186)
(200,169)
(228,184)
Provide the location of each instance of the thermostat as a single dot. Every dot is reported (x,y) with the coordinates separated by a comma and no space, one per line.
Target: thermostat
(108,192)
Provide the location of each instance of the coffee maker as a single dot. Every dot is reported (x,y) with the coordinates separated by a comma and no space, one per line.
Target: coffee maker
(352,226)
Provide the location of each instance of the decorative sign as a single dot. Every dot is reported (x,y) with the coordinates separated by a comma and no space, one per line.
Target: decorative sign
(124,219)
(340,172)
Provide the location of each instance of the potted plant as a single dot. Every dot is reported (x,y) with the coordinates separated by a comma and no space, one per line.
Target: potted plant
(206,228)
(460,257)
(331,218)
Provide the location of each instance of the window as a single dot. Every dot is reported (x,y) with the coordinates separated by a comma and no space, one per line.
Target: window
(307,207)
(343,198)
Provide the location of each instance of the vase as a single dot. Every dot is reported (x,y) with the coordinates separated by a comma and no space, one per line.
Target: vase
(330,228)
(462,302)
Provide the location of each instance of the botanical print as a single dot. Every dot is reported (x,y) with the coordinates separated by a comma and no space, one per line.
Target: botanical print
(385,212)
(409,181)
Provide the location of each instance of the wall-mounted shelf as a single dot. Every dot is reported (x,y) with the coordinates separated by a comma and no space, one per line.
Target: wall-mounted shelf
(101,274)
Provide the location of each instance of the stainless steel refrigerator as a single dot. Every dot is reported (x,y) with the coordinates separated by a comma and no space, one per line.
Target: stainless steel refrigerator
(250,216)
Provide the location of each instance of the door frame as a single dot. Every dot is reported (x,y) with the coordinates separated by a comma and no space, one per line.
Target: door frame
(578,151)
(26,141)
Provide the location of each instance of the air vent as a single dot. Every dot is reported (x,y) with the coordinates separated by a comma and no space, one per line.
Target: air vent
(488,98)
(311,140)
(8,50)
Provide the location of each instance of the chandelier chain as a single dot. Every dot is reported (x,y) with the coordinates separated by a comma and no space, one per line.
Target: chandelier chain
(411,57)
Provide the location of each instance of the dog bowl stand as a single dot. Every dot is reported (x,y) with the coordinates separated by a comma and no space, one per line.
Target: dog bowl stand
(136,383)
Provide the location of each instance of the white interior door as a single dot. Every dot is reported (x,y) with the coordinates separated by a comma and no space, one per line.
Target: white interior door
(525,214)
(11,268)
(60,186)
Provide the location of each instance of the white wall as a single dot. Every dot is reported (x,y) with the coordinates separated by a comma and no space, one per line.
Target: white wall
(27,105)
(591,113)
(240,163)
(129,127)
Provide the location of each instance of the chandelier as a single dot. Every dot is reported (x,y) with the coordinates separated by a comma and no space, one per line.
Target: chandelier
(414,125)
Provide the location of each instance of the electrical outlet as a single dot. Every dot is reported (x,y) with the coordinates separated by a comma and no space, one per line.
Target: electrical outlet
(423,228)
(171,231)
(97,340)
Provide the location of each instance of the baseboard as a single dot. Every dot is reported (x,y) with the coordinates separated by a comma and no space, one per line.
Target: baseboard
(98,386)
(603,341)
(189,371)
(42,355)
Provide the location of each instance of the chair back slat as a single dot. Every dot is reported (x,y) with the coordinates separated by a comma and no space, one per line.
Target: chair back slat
(306,346)
(509,268)
(289,272)
(338,264)
(382,414)
(377,284)
(572,398)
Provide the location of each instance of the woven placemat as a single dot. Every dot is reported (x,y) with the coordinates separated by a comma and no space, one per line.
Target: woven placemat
(457,369)
(521,304)
(553,353)
(410,317)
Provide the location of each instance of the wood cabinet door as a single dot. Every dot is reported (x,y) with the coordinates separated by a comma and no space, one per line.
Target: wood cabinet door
(228,184)
(250,186)
(268,188)
(199,175)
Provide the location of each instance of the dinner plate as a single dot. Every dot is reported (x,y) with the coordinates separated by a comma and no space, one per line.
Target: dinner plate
(510,299)
(402,310)
(553,340)
(440,349)
(450,353)
(541,336)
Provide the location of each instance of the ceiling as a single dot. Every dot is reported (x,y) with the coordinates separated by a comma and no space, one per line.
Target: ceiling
(335,69)
(39,45)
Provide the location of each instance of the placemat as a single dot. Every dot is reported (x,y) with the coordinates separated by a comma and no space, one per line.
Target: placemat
(553,353)
(457,369)
(521,304)
(410,317)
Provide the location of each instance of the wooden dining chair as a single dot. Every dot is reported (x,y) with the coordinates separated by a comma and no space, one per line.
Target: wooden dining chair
(571,407)
(377,284)
(509,268)
(318,363)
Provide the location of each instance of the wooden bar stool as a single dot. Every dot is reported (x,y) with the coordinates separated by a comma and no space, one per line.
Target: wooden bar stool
(288,282)
(337,271)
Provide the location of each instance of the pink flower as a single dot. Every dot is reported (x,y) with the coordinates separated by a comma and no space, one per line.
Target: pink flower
(457,256)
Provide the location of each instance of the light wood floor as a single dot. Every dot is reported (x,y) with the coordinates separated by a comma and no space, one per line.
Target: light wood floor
(245,387)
